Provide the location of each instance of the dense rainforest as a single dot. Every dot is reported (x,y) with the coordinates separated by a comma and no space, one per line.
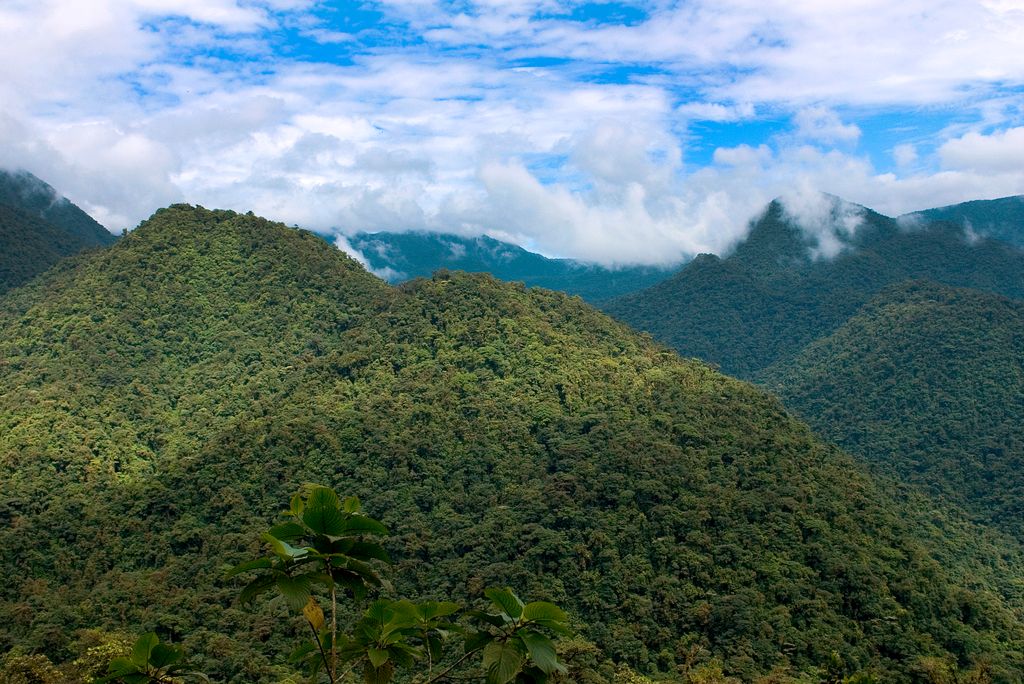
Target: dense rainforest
(928,381)
(402,256)
(160,398)
(38,228)
(776,293)
(1000,219)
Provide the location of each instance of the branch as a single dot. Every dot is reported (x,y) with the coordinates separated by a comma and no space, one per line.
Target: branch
(453,665)
(319,645)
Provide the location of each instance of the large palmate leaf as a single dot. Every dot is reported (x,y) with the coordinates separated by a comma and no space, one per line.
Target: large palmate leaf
(502,662)
(506,601)
(323,512)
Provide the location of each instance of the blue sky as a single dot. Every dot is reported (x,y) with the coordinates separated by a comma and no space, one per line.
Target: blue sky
(619,132)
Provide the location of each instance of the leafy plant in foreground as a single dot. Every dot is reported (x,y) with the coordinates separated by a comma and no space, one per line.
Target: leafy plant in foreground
(328,542)
(151,662)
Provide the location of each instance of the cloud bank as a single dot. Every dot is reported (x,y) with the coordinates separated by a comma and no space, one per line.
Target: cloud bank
(636,139)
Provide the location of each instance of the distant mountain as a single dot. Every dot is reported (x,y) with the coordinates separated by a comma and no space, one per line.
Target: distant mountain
(1001,219)
(38,227)
(160,399)
(928,381)
(791,282)
(403,256)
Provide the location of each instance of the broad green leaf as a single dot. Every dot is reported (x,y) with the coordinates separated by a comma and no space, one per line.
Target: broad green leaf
(495,620)
(301,652)
(360,524)
(506,601)
(297,506)
(377,657)
(295,590)
(282,548)
(323,512)
(367,550)
(477,640)
(164,655)
(289,531)
(255,588)
(142,648)
(403,655)
(430,610)
(375,675)
(541,610)
(502,662)
(435,647)
(257,564)
(541,650)
(351,504)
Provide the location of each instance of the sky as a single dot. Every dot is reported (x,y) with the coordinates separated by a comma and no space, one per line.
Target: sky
(613,132)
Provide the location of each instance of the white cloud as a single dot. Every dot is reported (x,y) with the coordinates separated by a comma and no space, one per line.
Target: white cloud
(99,101)
(999,152)
(904,154)
(823,125)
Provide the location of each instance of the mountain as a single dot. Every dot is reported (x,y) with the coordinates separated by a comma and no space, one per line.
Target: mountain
(928,381)
(160,399)
(402,256)
(795,280)
(1000,219)
(38,227)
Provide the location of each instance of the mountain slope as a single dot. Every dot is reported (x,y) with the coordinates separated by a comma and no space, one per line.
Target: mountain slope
(1000,219)
(38,228)
(773,295)
(160,400)
(402,256)
(929,381)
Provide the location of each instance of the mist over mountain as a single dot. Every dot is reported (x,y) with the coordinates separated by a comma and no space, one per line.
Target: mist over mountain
(38,227)
(402,256)
(926,381)
(161,398)
(801,273)
(1001,219)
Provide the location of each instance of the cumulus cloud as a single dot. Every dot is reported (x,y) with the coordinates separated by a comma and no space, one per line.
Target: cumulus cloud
(823,125)
(461,122)
(998,152)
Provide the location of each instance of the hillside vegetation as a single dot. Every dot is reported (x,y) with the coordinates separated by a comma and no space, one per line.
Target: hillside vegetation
(777,293)
(38,228)
(161,398)
(927,381)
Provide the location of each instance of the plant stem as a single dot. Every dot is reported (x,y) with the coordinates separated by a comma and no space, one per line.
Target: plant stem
(323,656)
(334,630)
(453,665)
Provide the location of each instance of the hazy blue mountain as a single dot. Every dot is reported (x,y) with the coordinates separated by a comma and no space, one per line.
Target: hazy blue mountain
(1002,219)
(788,284)
(38,227)
(403,256)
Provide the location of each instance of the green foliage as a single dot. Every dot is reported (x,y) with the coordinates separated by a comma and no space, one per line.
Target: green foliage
(158,399)
(926,382)
(38,228)
(771,298)
(150,662)
(1001,219)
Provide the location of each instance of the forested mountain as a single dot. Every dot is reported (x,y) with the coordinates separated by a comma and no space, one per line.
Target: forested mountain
(38,227)
(778,291)
(402,256)
(929,381)
(1001,219)
(161,398)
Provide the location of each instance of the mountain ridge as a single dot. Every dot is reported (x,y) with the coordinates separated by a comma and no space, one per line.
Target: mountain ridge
(161,398)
